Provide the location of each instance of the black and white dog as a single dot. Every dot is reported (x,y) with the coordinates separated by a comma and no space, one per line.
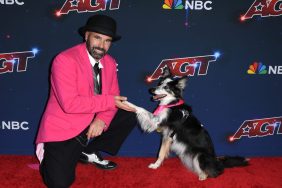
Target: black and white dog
(182,131)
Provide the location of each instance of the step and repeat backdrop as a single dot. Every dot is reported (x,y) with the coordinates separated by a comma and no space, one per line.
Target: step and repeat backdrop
(230,51)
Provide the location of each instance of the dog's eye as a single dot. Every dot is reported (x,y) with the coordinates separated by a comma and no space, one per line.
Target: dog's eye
(165,87)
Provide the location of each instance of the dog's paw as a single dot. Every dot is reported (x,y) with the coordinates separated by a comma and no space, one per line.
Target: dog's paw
(147,128)
(151,128)
(129,104)
(138,110)
(203,176)
(154,165)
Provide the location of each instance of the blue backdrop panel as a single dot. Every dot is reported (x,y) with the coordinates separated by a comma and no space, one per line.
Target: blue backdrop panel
(241,110)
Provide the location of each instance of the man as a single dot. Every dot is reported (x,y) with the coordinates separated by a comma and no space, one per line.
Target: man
(82,116)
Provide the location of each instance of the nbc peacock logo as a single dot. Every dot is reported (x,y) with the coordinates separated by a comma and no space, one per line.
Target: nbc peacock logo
(173,4)
(187,4)
(257,68)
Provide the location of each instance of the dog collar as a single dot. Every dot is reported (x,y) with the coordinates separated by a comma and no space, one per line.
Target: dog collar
(161,107)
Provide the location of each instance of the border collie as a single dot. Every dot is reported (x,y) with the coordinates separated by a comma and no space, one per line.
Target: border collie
(182,132)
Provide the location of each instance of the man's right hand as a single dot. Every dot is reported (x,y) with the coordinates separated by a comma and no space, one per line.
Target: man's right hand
(119,103)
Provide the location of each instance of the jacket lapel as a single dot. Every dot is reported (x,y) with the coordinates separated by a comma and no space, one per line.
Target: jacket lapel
(86,65)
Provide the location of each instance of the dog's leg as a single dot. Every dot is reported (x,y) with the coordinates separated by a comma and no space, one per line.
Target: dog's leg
(130,104)
(163,153)
(148,121)
(192,162)
(196,166)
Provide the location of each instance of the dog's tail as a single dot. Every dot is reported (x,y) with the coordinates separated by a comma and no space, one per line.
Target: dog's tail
(214,166)
(230,161)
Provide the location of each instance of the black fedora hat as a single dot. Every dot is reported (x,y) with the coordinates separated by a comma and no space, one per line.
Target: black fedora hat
(101,24)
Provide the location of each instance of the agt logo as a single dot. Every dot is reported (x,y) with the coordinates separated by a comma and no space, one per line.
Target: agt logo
(258,128)
(8,61)
(82,6)
(188,4)
(263,8)
(187,66)
(14,125)
(259,68)
(11,2)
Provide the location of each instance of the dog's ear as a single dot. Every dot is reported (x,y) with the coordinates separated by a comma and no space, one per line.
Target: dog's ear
(182,83)
(166,72)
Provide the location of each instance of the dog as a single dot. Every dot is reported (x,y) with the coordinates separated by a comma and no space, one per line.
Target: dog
(181,131)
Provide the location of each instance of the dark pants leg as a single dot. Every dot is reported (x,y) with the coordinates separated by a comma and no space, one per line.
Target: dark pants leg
(111,140)
(60,159)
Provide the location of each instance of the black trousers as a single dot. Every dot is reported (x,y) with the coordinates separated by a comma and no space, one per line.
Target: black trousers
(60,158)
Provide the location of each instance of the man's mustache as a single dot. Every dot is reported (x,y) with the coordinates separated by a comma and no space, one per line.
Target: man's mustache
(97,48)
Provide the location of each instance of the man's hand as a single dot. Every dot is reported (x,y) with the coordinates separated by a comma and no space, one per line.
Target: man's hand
(119,103)
(95,129)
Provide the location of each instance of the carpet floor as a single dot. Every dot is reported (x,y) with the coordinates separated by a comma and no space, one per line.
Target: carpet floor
(263,172)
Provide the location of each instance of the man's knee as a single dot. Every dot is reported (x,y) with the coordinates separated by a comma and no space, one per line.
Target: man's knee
(61,184)
(58,184)
(56,180)
(129,116)
(53,182)
(125,118)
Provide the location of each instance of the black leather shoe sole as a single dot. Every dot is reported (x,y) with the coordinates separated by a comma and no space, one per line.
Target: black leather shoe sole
(110,166)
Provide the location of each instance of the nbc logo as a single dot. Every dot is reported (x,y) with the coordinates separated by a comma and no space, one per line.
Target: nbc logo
(11,2)
(259,68)
(188,4)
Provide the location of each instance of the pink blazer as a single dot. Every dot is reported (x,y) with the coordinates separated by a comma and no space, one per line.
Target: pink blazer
(72,103)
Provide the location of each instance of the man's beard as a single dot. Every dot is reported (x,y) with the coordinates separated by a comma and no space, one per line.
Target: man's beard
(93,51)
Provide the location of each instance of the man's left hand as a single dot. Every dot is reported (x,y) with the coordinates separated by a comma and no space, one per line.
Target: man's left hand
(96,128)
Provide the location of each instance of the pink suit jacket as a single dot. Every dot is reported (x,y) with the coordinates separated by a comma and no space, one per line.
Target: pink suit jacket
(72,103)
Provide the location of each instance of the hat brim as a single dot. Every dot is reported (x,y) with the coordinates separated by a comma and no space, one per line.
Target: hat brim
(82,31)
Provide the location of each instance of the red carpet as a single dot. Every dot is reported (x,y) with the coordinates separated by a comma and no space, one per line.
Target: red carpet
(21,171)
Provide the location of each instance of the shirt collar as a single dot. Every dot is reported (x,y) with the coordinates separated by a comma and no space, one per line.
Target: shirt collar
(94,61)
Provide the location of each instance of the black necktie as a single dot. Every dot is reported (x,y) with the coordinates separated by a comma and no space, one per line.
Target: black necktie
(97,84)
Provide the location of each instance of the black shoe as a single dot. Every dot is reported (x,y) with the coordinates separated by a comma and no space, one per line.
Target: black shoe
(96,159)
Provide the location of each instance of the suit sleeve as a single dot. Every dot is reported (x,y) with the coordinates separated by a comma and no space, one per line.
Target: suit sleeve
(108,115)
(64,85)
